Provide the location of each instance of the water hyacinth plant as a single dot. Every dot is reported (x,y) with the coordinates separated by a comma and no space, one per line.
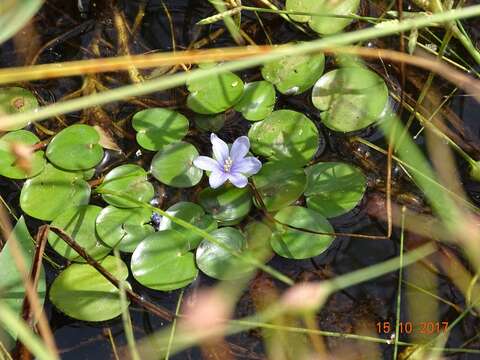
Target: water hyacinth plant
(229,164)
(319,209)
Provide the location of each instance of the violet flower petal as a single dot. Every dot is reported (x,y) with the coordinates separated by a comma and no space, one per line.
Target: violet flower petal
(219,148)
(247,166)
(207,163)
(217,178)
(240,148)
(238,180)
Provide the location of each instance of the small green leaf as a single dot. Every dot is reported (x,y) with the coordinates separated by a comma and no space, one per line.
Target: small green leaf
(130,181)
(48,194)
(287,136)
(8,161)
(214,94)
(163,261)
(334,188)
(297,244)
(124,228)
(227,204)
(15,100)
(79,223)
(194,215)
(75,148)
(216,261)
(257,101)
(82,293)
(294,74)
(350,98)
(158,127)
(173,165)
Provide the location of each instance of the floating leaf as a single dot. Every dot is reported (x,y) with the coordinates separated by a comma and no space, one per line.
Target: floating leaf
(296,244)
(334,188)
(130,181)
(279,184)
(48,194)
(323,24)
(293,75)
(124,227)
(173,165)
(210,123)
(75,148)
(163,261)
(8,161)
(214,94)
(287,136)
(194,215)
(351,98)
(227,204)
(257,101)
(158,127)
(258,236)
(12,291)
(216,261)
(82,293)
(79,223)
(15,100)
(15,15)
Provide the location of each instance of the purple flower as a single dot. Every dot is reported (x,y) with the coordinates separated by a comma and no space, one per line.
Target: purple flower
(227,164)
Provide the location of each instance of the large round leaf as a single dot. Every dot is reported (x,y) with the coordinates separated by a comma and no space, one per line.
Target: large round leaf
(214,94)
(322,23)
(352,98)
(296,244)
(129,182)
(334,188)
(83,293)
(279,185)
(294,74)
(15,100)
(218,262)
(8,161)
(163,261)
(158,127)
(173,165)
(79,223)
(48,194)
(257,101)
(124,227)
(287,136)
(194,215)
(75,148)
(227,204)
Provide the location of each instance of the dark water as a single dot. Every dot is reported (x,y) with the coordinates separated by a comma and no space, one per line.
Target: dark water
(373,301)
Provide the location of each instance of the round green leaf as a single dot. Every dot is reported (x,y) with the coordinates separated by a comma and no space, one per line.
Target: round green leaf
(334,188)
(287,136)
(351,98)
(211,123)
(214,94)
(227,204)
(173,165)
(15,100)
(163,261)
(8,161)
(124,227)
(75,148)
(294,74)
(279,185)
(79,223)
(296,244)
(46,195)
(194,215)
(219,263)
(158,127)
(258,100)
(129,182)
(258,236)
(82,293)
(324,25)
